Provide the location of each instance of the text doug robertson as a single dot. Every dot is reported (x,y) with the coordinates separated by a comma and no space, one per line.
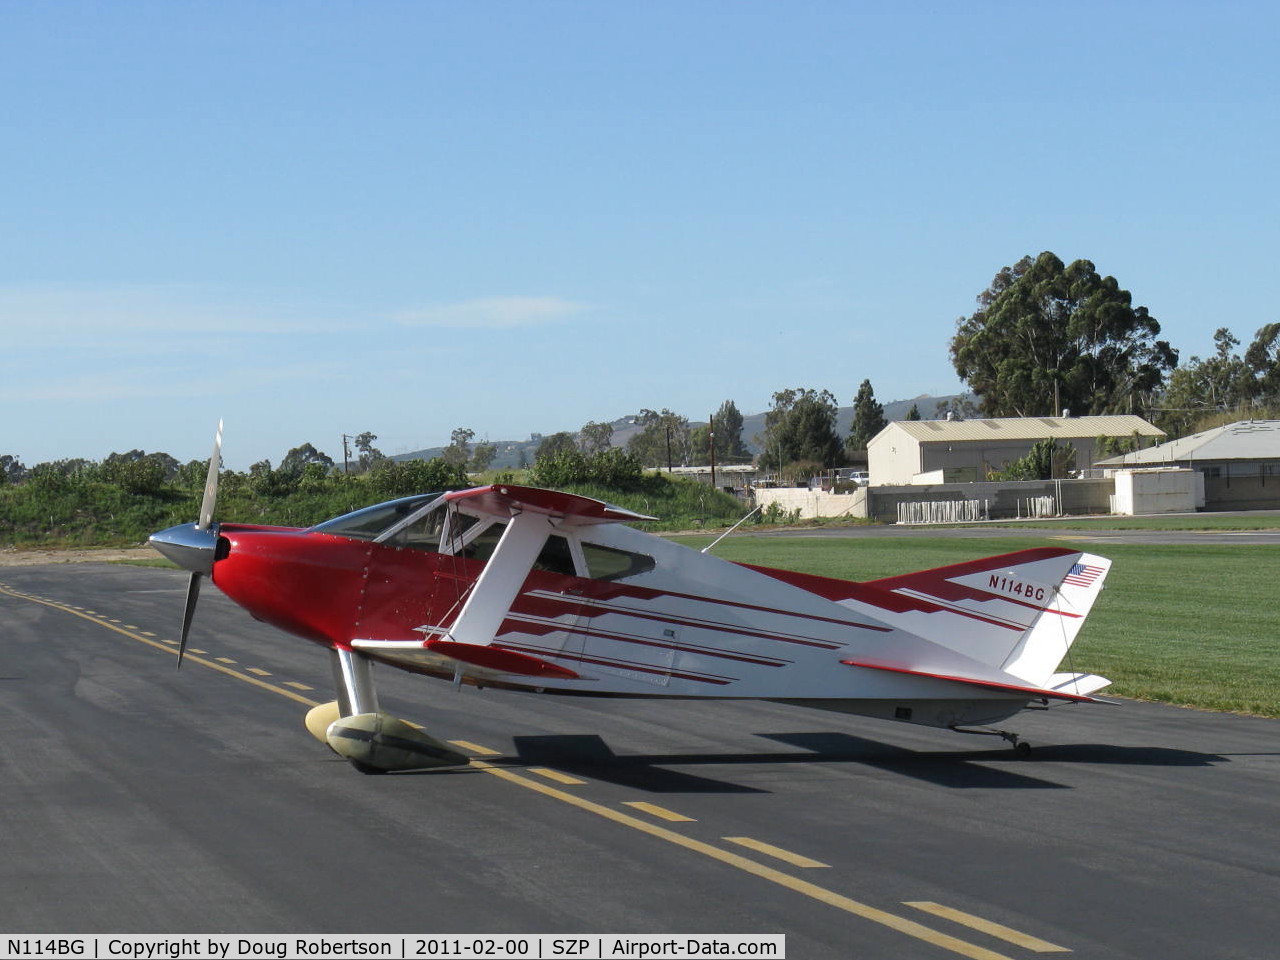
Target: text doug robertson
(195,947)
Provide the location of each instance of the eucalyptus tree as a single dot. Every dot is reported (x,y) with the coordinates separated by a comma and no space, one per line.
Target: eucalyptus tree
(1048,337)
(665,439)
(595,437)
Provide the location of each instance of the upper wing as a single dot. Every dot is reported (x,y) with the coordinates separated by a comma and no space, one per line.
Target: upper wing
(507,500)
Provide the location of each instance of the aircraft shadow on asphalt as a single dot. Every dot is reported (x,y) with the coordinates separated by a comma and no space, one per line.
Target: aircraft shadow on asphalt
(959,768)
(588,755)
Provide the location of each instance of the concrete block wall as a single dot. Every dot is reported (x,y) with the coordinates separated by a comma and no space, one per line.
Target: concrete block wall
(813,503)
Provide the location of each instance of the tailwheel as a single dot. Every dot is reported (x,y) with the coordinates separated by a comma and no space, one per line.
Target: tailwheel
(1020,747)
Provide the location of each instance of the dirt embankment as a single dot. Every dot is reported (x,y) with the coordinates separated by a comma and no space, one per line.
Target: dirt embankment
(13,557)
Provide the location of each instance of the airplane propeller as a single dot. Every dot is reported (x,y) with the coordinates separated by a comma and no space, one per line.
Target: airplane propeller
(194,546)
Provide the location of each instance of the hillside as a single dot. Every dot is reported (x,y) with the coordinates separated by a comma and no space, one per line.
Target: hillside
(509,451)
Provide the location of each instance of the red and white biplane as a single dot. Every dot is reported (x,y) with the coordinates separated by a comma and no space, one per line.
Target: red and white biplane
(520,588)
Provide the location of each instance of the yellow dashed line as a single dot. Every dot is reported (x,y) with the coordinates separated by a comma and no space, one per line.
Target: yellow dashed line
(989,927)
(759,846)
(259,671)
(297,686)
(803,887)
(224,659)
(657,811)
(147,633)
(476,748)
(157,644)
(197,650)
(555,775)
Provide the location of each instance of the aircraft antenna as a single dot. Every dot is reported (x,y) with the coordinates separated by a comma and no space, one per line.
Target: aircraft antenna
(708,547)
(1071,663)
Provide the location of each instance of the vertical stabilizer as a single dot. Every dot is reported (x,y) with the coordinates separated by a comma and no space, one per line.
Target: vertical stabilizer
(1049,638)
(1017,613)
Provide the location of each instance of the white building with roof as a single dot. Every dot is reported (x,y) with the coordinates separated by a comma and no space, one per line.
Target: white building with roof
(1240,463)
(943,451)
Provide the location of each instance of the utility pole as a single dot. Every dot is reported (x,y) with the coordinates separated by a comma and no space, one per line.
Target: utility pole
(346,455)
(711,444)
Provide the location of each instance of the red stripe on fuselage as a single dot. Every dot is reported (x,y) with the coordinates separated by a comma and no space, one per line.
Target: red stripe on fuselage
(541,628)
(597,590)
(547,604)
(618,664)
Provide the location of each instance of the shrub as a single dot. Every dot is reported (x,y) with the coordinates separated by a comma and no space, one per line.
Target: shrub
(614,468)
(402,478)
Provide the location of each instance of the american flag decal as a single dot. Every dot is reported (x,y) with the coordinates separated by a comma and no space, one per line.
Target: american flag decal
(1082,575)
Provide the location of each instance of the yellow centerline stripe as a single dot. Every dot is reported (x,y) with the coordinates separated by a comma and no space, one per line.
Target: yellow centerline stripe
(298,698)
(760,846)
(556,775)
(657,811)
(894,922)
(764,872)
(989,927)
(476,748)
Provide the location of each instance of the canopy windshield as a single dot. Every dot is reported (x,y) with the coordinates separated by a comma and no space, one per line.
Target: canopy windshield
(369,523)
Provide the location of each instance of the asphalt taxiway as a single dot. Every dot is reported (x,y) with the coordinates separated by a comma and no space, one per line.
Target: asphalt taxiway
(147,800)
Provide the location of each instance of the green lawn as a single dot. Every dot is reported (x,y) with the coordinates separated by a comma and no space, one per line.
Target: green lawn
(1191,625)
(1182,521)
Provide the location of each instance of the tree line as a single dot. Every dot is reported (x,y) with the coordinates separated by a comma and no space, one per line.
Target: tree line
(800,432)
(124,498)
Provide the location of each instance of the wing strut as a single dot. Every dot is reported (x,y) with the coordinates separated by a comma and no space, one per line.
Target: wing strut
(499,583)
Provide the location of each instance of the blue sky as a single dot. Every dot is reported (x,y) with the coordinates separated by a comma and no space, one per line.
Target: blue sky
(404,217)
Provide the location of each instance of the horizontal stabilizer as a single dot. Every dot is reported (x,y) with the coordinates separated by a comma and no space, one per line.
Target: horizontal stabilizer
(507,500)
(1081,683)
(985,684)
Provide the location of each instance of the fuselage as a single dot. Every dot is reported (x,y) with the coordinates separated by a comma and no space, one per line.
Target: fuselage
(505,588)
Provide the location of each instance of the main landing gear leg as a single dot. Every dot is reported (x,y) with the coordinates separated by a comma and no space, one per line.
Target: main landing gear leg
(359,731)
(1020,746)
